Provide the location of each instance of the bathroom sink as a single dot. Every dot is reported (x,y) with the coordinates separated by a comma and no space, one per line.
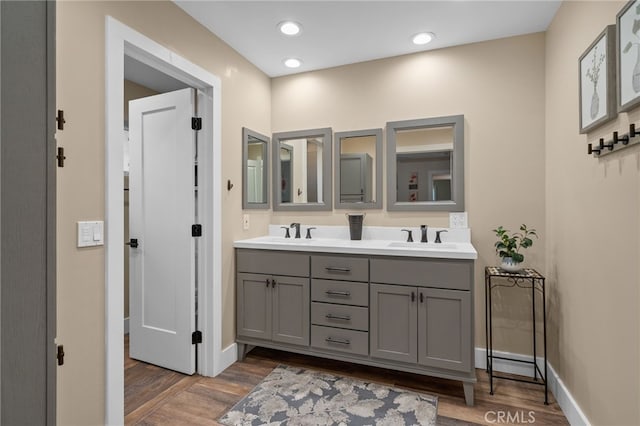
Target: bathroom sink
(281,240)
(423,246)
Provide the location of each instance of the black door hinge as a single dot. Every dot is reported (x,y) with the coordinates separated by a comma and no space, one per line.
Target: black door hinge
(196,123)
(196,230)
(60,119)
(60,157)
(196,337)
(60,355)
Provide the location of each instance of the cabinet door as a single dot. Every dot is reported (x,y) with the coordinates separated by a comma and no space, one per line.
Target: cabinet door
(291,310)
(393,325)
(254,306)
(444,329)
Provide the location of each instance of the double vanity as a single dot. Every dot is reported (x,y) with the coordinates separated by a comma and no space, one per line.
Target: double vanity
(379,301)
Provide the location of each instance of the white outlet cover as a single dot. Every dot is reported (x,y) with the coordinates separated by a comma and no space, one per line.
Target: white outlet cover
(458,220)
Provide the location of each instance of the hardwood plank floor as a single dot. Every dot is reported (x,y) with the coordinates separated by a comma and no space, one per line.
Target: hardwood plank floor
(154,396)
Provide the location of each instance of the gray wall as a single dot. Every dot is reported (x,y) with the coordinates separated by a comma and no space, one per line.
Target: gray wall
(27,215)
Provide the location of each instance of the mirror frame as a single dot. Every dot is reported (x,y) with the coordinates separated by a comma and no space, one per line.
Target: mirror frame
(456,204)
(246,133)
(325,133)
(377,204)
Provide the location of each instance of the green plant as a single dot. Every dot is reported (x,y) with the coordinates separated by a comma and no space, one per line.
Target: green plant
(509,245)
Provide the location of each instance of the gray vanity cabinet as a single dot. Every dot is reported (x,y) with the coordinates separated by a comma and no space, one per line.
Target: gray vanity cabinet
(427,298)
(440,318)
(273,306)
(404,313)
(439,345)
(393,323)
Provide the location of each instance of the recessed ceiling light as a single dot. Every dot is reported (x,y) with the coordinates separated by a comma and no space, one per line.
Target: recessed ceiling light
(423,38)
(289,28)
(292,63)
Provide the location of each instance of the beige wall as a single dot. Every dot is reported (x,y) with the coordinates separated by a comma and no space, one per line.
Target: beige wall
(593,234)
(81,93)
(499,87)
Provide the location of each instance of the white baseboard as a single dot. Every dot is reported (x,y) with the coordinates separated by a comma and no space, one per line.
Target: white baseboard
(126,325)
(229,355)
(570,408)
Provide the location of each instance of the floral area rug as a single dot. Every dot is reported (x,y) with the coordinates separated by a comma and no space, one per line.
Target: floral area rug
(295,396)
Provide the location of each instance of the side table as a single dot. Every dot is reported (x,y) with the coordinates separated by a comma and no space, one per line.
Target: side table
(525,279)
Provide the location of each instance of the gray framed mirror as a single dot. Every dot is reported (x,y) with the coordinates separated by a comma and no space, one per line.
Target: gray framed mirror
(425,164)
(302,170)
(358,169)
(255,170)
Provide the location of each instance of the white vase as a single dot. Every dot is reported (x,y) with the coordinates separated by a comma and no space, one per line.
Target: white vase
(509,265)
(635,77)
(595,103)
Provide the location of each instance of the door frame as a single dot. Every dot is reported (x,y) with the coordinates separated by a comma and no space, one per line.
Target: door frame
(123,41)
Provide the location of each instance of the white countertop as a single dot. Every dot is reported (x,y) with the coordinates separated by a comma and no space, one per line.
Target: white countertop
(387,241)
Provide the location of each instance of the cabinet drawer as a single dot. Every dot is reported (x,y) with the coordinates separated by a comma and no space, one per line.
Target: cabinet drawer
(272,262)
(452,274)
(340,292)
(343,316)
(340,268)
(336,339)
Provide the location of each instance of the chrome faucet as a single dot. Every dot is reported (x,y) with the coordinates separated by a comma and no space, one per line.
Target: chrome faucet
(424,228)
(297,226)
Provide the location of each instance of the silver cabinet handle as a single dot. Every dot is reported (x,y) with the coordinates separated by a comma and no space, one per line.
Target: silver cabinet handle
(338,317)
(340,341)
(338,293)
(337,269)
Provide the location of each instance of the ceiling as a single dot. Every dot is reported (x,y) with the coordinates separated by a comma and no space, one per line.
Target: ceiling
(337,33)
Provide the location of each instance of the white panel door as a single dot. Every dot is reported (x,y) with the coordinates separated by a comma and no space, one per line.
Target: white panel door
(162,211)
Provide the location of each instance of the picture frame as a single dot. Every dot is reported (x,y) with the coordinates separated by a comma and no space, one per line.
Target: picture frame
(628,62)
(597,81)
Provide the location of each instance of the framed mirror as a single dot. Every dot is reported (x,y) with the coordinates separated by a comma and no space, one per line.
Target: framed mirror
(255,170)
(302,170)
(358,169)
(425,164)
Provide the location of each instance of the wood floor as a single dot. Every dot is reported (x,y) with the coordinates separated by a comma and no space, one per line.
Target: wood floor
(154,396)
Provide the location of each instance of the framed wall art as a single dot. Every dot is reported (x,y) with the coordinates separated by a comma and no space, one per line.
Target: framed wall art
(598,81)
(628,63)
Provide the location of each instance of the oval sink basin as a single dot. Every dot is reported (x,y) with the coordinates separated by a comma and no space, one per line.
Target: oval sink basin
(423,246)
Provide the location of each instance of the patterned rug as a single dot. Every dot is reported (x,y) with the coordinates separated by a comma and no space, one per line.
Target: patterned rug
(295,396)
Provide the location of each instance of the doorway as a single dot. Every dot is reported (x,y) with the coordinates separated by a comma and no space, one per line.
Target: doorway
(122,42)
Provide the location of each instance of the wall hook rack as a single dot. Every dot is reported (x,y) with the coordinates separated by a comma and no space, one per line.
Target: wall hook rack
(229,185)
(609,145)
(615,144)
(624,138)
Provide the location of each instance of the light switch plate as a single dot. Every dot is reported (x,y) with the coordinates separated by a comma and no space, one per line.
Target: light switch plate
(458,220)
(245,222)
(90,233)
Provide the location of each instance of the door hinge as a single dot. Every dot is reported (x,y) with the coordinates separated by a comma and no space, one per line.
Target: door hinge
(60,354)
(60,157)
(196,230)
(60,119)
(196,123)
(196,337)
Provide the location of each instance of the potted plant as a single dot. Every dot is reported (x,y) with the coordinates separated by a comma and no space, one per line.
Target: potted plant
(509,245)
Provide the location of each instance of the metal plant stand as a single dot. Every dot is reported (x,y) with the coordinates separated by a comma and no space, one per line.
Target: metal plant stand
(526,279)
